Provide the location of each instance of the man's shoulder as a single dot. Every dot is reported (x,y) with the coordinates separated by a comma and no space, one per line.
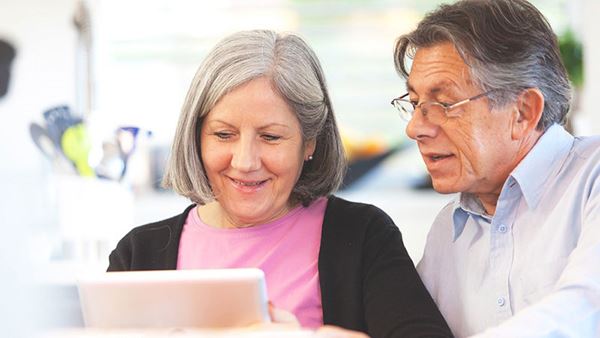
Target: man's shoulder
(587,147)
(441,231)
(584,164)
(436,251)
(444,217)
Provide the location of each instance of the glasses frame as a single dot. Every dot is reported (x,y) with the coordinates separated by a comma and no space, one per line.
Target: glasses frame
(408,115)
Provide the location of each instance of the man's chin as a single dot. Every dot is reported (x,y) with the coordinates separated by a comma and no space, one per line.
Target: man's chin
(443,187)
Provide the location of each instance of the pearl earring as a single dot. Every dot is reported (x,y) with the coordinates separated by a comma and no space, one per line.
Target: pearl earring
(310,157)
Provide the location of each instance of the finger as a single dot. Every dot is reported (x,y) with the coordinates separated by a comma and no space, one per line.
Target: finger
(283,317)
(329,331)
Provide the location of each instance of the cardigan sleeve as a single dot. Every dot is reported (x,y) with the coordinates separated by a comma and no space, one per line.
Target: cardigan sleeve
(120,258)
(368,281)
(152,246)
(396,302)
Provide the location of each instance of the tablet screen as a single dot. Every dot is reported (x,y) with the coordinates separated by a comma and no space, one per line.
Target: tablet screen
(210,298)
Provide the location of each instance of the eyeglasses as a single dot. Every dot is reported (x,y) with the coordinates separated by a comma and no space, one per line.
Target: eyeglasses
(436,112)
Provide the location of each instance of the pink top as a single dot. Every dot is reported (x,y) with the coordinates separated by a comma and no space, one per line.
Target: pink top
(287,250)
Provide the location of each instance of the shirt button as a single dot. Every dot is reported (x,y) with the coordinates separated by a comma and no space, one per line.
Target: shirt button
(502,228)
(500,301)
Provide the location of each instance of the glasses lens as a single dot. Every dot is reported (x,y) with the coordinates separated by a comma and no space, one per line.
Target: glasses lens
(405,108)
(434,111)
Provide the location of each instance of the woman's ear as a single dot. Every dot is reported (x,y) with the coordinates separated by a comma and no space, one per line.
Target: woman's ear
(529,109)
(309,149)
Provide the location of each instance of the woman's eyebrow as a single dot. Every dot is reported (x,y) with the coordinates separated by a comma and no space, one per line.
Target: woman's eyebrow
(274,124)
(261,127)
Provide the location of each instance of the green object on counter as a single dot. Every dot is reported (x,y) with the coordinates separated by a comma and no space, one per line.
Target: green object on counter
(571,52)
(75,143)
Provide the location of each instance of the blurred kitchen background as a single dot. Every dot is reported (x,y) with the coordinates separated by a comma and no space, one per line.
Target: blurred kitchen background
(94,90)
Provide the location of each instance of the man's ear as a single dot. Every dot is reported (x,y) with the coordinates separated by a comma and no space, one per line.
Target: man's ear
(529,108)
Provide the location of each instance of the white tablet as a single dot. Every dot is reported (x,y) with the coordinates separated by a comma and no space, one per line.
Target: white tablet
(214,298)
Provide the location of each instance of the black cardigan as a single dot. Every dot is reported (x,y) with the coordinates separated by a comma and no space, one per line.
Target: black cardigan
(368,281)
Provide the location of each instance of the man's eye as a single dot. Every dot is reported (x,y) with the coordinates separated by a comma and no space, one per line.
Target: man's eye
(270,137)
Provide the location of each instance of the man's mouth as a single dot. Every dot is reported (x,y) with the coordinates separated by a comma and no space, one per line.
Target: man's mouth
(436,161)
(436,157)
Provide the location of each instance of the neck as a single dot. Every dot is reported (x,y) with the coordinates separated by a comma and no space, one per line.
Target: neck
(216,216)
(490,200)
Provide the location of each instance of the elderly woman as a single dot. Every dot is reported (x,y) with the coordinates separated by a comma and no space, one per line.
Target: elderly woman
(258,151)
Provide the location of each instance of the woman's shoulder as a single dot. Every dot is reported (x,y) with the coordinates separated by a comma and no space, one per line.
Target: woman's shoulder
(174,223)
(338,207)
(361,219)
(150,246)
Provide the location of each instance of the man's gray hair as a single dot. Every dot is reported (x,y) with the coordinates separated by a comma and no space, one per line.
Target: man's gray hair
(295,73)
(508,45)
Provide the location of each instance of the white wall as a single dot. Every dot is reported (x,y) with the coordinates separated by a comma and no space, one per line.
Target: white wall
(43,76)
(43,71)
(591,43)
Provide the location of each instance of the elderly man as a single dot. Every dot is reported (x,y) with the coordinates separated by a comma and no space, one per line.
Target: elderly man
(517,254)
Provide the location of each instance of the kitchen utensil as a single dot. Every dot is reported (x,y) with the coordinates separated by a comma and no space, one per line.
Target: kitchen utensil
(76,146)
(45,144)
(58,119)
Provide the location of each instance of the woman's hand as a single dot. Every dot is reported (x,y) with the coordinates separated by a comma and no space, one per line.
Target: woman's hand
(287,319)
(279,316)
(329,331)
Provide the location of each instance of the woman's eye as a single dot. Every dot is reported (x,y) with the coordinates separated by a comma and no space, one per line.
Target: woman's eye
(223,135)
(270,138)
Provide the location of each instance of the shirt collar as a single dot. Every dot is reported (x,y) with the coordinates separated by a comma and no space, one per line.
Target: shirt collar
(545,158)
(464,206)
(542,163)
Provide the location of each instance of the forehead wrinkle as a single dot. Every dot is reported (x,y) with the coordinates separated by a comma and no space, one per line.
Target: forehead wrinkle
(438,87)
(440,65)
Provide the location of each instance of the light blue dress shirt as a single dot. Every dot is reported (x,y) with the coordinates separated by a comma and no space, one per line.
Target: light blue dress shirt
(533,268)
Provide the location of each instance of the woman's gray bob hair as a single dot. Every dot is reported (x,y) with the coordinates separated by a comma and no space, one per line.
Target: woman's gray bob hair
(508,45)
(296,75)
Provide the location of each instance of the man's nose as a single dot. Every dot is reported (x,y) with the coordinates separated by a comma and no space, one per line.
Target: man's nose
(419,127)
(246,155)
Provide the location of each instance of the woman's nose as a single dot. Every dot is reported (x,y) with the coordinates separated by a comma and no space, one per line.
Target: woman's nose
(246,155)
